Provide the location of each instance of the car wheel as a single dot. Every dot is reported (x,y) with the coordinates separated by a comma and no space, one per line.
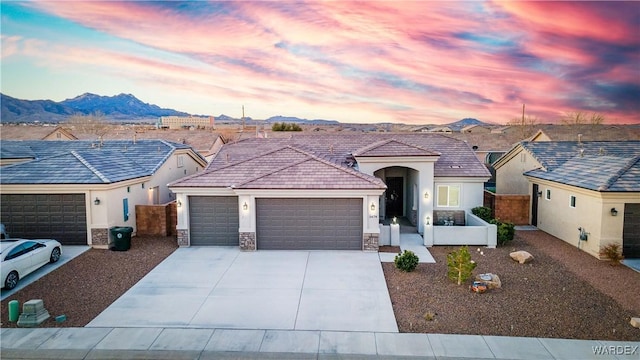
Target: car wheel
(55,255)
(11,281)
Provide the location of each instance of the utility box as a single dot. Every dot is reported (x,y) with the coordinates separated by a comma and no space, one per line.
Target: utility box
(120,238)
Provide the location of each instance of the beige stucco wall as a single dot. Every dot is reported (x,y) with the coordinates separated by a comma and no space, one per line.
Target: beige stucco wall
(592,213)
(509,179)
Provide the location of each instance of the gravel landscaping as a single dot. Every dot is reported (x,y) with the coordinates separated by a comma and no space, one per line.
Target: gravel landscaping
(563,293)
(88,284)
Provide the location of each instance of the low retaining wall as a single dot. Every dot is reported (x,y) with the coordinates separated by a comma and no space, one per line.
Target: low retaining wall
(476,232)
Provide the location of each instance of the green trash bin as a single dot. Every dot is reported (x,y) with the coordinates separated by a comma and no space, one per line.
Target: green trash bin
(120,238)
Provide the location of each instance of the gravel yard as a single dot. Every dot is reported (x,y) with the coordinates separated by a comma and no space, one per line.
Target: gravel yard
(88,284)
(563,293)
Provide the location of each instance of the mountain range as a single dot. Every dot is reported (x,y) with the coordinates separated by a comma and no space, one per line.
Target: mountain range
(126,107)
(118,107)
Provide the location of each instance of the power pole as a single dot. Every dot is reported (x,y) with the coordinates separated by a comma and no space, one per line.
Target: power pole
(242,117)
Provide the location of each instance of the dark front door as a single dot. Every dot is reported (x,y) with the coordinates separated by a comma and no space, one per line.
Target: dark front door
(631,231)
(394,197)
(534,205)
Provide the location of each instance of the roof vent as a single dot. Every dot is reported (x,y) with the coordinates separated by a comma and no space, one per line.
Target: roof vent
(331,149)
(580,139)
(581,152)
(601,151)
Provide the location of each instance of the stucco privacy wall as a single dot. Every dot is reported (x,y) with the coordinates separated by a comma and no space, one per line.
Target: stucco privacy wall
(591,212)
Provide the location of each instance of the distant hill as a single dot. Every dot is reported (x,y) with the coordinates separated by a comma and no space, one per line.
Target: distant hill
(456,126)
(119,107)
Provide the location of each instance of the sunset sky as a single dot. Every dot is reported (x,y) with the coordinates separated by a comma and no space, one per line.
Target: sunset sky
(415,62)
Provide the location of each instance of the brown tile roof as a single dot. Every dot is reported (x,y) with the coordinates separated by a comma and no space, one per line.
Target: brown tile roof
(456,158)
(282,168)
(393,147)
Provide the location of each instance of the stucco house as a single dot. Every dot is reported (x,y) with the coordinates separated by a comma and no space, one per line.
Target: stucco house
(328,191)
(586,193)
(74,191)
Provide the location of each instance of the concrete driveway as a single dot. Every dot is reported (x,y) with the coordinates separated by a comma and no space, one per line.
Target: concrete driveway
(220,287)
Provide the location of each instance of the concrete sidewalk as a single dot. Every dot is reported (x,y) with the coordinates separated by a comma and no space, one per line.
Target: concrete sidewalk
(191,343)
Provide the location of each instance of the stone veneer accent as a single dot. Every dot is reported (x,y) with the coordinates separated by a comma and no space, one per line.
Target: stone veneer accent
(99,237)
(183,237)
(370,242)
(248,241)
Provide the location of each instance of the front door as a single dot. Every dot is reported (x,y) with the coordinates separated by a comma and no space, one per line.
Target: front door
(394,197)
(534,205)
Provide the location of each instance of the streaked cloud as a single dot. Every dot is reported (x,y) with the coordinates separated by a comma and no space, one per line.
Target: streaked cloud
(414,62)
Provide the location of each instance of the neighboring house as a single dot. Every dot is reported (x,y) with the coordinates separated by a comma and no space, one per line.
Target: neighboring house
(327,191)
(591,185)
(60,133)
(74,191)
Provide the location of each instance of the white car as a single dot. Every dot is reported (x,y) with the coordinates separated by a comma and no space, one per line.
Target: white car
(20,257)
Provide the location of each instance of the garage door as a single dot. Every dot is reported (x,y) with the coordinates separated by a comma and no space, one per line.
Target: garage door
(51,216)
(309,224)
(631,231)
(213,220)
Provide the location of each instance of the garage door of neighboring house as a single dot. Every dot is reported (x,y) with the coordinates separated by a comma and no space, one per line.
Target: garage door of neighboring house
(46,216)
(213,220)
(631,231)
(309,224)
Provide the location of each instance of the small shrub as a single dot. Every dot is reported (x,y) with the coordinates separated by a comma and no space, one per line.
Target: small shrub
(407,261)
(613,253)
(482,212)
(460,265)
(429,315)
(506,231)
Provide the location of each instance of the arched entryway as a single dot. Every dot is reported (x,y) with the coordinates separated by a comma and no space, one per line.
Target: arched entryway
(400,198)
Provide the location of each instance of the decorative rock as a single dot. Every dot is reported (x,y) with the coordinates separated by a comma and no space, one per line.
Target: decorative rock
(521,256)
(635,322)
(492,280)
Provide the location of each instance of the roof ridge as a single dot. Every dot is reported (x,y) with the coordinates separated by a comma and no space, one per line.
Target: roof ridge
(342,168)
(273,171)
(90,167)
(613,178)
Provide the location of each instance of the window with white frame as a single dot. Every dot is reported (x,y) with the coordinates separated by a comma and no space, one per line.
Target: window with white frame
(448,195)
(548,194)
(572,201)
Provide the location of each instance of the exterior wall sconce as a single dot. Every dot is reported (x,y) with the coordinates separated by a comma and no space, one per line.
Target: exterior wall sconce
(539,193)
(179,203)
(373,207)
(245,206)
(96,201)
(428,219)
(426,194)
(395,220)
(614,212)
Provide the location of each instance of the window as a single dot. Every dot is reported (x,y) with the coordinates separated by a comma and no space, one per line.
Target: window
(573,201)
(548,195)
(180,161)
(448,195)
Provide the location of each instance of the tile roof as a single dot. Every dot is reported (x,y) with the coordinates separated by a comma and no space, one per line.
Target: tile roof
(327,161)
(284,168)
(83,162)
(606,166)
(393,147)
